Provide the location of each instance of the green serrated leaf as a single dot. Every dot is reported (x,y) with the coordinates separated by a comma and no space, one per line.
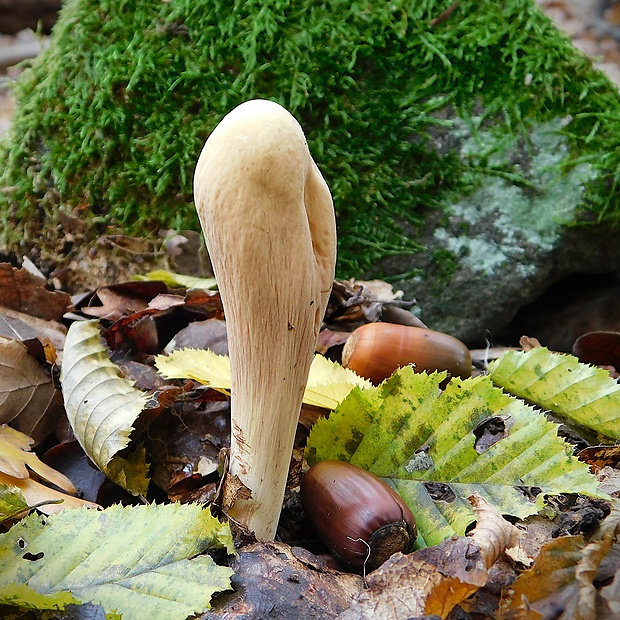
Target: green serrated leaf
(101,405)
(560,383)
(424,443)
(140,561)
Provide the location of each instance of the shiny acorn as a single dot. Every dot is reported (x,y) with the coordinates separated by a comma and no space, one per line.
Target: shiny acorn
(361,520)
(376,350)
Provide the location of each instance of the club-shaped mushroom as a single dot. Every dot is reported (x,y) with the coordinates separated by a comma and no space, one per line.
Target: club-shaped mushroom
(268,221)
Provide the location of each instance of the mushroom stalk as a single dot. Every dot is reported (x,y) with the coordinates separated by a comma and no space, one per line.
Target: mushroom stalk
(268,221)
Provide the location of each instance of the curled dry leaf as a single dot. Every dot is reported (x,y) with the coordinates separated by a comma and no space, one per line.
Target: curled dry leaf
(47,500)
(15,462)
(436,579)
(564,575)
(16,325)
(16,459)
(101,405)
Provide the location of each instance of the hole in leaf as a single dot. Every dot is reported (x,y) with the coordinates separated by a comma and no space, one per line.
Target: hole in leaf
(490,431)
(33,557)
(440,492)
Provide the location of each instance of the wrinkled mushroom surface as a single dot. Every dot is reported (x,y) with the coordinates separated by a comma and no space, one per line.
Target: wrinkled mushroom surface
(268,221)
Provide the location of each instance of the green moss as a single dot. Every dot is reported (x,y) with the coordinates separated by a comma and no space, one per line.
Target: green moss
(112,117)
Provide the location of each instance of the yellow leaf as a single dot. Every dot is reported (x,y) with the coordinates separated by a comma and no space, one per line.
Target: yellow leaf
(328,382)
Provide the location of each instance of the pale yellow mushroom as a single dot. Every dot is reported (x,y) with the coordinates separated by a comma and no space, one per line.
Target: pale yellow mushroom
(268,221)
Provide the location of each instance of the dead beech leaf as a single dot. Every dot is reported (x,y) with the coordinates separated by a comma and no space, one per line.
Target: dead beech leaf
(28,397)
(16,458)
(435,579)
(25,292)
(16,325)
(563,578)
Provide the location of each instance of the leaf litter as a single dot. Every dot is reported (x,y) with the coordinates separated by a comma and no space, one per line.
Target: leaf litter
(181,433)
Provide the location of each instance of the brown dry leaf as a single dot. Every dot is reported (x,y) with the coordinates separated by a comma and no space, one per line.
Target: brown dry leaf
(563,578)
(16,458)
(114,305)
(273,580)
(35,493)
(528,343)
(598,457)
(598,348)
(22,291)
(16,325)
(436,579)
(28,397)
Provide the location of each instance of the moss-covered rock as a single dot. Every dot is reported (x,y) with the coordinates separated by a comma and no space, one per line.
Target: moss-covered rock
(459,150)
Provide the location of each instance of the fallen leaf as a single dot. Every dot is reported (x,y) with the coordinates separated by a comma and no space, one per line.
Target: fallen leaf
(101,405)
(563,577)
(328,382)
(560,383)
(142,562)
(25,292)
(209,334)
(16,325)
(424,442)
(69,459)
(177,280)
(12,502)
(600,456)
(28,397)
(600,348)
(291,581)
(16,459)
(46,500)
(436,579)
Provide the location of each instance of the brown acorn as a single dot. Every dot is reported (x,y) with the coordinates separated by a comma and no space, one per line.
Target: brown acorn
(376,350)
(360,519)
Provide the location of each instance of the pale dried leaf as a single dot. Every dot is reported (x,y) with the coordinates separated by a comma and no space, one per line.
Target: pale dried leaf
(101,405)
(16,458)
(16,325)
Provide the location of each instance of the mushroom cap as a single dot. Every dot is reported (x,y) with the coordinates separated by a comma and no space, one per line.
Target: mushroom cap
(258,154)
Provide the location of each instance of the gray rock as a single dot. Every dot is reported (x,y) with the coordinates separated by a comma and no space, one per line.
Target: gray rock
(503,245)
